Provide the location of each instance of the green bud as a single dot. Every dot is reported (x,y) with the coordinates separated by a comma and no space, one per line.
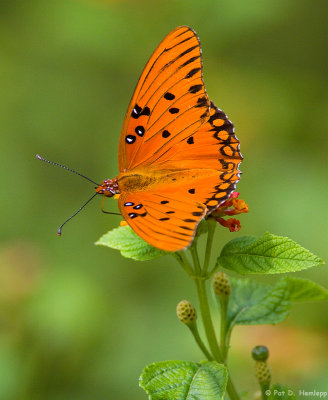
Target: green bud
(186,312)
(262,372)
(260,353)
(221,284)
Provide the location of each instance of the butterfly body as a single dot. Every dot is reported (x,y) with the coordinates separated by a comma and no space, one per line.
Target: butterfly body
(178,154)
(143,180)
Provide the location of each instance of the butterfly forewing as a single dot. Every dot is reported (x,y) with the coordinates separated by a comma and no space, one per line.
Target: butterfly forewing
(169,102)
(213,146)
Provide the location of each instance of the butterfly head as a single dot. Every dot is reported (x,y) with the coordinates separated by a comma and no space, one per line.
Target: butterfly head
(108,187)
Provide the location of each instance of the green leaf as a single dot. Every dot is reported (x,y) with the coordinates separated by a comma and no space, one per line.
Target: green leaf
(281,392)
(184,380)
(252,303)
(269,254)
(305,290)
(129,244)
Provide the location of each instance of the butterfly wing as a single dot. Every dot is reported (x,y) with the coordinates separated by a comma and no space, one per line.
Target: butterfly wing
(213,147)
(172,130)
(169,102)
(201,177)
(165,220)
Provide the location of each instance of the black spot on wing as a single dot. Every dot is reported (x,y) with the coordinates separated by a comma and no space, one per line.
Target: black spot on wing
(169,96)
(130,139)
(192,73)
(140,130)
(192,59)
(138,111)
(195,88)
(202,102)
(186,228)
(188,51)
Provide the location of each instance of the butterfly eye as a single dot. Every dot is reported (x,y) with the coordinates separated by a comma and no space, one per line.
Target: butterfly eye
(129,203)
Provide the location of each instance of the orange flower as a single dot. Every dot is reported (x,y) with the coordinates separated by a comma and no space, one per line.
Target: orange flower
(232,206)
(239,207)
(232,223)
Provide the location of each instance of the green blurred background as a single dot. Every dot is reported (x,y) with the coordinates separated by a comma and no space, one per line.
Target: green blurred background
(79,321)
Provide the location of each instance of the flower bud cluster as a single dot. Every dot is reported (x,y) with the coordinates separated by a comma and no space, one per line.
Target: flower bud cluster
(221,284)
(186,312)
(262,372)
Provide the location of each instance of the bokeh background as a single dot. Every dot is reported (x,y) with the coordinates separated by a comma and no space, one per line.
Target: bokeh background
(80,322)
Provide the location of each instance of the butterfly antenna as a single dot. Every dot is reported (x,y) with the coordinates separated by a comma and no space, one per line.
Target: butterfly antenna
(59,230)
(68,169)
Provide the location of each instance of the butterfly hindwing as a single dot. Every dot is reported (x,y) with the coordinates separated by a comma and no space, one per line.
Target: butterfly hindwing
(169,102)
(163,220)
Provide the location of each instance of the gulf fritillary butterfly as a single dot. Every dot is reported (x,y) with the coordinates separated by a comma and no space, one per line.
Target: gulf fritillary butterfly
(178,155)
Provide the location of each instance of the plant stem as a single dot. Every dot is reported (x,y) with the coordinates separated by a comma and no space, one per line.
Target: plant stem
(182,260)
(265,386)
(207,320)
(223,327)
(210,333)
(195,258)
(211,223)
(194,330)
(232,392)
(206,315)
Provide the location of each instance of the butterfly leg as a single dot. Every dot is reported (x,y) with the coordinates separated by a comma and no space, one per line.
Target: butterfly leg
(106,212)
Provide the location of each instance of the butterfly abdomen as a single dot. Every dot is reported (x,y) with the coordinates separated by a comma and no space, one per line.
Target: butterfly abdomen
(147,180)
(144,179)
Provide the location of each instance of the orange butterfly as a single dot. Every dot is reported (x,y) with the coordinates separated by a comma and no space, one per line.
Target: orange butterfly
(178,154)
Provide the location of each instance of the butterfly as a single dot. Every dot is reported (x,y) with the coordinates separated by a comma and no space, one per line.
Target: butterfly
(178,156)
